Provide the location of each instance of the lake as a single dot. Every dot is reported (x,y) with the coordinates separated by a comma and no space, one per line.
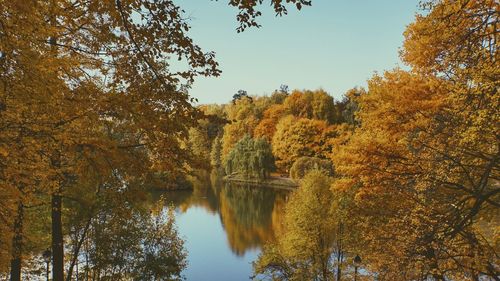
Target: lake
(224,227)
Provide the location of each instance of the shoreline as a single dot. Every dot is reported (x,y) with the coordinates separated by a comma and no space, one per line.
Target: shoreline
(274,182)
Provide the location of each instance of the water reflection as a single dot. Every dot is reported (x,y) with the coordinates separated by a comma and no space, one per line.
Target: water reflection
(246,213)
(131,235)
(249,215)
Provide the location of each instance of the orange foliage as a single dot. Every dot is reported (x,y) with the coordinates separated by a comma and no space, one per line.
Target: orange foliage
(267,126)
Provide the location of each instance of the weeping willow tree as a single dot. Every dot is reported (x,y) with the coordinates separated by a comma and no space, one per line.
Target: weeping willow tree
(251,158)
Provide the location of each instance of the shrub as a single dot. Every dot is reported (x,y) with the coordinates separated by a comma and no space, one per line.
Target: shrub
(305,164)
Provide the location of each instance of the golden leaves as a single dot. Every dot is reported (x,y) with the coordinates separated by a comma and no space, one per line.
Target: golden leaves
(427,148)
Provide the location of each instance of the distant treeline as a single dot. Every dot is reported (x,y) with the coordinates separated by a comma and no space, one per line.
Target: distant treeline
(256,135)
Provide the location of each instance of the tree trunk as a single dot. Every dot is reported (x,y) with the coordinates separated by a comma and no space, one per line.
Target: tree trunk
(17,245)
(57,239)
(78,246)
(339,251)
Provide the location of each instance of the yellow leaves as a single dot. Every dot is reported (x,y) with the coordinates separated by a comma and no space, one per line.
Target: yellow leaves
(403,100)
(297,137)
(397,106)
(307,237)
(434,42)
(311,104)
(4,152)
(425,142)
(77,115)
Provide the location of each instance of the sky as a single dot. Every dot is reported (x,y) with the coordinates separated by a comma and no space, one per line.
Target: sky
(334,45)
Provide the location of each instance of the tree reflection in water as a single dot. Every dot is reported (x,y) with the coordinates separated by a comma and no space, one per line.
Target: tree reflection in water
(130,242)
(250,215)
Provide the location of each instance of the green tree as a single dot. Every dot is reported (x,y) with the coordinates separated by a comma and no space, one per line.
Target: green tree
(163,256)
(252,158)
(199,143)
(241,94)
(303,251)
(215,153)
(127,236)
(234,132)
(303,165)
(347,108)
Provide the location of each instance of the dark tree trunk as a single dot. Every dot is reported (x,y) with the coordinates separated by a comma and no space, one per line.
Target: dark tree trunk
(56,210)
(57,239)
(339,251)
(17,245)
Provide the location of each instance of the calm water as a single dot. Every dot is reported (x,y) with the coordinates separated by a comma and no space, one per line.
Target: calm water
(225,227)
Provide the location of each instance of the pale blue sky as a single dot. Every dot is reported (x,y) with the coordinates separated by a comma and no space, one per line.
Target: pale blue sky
(334,45)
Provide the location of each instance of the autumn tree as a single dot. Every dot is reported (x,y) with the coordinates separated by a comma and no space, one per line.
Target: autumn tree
(163,255)
(304,250)
(279,95)
(215,153)
(311,104)
(200,139)
(427,149)
(304,164)
(267,126)
(127,237)
(296,137)
(242,122)
(248,12)
(348,106)
(241,94)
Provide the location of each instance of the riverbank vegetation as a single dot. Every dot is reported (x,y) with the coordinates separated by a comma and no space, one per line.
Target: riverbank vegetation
(404,174)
